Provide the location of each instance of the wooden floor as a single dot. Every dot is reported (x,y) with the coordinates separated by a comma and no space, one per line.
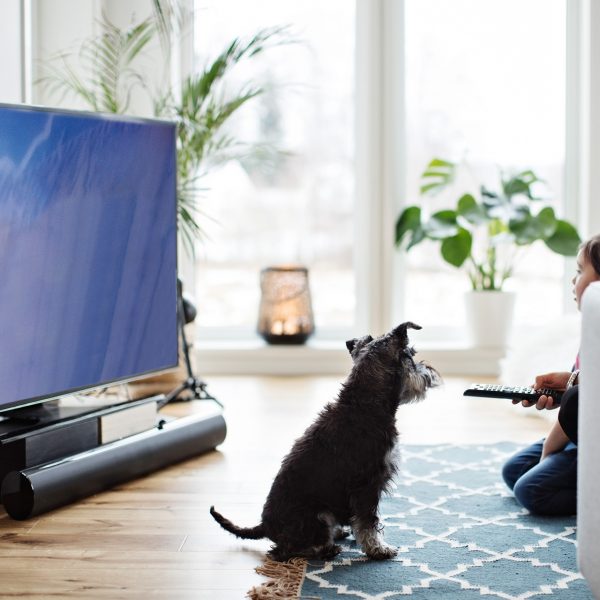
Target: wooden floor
(154,537)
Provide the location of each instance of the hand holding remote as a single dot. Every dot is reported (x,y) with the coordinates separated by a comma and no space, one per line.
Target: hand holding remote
(543,402)
(551,381)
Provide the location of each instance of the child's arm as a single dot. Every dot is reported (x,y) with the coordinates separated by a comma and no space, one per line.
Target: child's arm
(555,441)
(568,415)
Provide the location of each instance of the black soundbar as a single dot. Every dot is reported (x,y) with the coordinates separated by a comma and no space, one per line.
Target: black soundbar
(32,491)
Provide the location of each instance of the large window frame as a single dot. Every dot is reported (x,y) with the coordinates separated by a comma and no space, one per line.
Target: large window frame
(380,181)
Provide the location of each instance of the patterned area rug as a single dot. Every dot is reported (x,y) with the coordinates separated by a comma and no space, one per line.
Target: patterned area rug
(460,534)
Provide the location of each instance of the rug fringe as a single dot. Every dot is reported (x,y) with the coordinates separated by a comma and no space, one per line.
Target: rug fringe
(285,579)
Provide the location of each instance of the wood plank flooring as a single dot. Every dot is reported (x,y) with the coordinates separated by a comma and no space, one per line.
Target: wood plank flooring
(154,538)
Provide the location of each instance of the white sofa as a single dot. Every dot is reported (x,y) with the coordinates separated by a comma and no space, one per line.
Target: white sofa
(588,492)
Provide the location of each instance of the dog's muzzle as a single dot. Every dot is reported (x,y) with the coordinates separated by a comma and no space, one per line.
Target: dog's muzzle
(430,375)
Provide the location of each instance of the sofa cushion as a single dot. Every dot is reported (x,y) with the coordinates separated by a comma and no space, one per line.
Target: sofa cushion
(588,483)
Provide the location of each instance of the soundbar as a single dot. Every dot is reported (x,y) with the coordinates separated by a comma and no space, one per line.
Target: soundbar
(33,491)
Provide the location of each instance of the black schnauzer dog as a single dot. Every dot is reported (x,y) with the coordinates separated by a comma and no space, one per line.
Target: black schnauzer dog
(336,472)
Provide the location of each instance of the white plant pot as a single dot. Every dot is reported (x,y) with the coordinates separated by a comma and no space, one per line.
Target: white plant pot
(489,318)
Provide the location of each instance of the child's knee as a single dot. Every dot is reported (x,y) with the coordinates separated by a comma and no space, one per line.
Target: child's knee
(524,492)
(533,498)
(509,474)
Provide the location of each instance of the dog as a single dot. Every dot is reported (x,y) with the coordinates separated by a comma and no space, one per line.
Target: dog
(336,472)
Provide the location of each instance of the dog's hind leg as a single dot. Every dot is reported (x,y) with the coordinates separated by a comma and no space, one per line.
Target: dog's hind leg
(316,540)
(337,531)
(341,533)
(323,546)
(281,552)
(366,528)
(324,552)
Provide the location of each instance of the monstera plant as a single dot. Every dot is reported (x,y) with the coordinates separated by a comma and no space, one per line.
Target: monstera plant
(483,233)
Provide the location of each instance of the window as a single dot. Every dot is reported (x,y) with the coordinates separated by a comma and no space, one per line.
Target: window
(299,207)
(485,82)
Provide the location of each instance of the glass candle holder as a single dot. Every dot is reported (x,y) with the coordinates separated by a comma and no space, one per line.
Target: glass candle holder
(285,313)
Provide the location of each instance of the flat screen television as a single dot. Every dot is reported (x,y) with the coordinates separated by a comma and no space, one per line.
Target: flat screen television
(88,252)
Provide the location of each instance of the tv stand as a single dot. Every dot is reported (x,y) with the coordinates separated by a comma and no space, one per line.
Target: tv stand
(45,464)
(40,415)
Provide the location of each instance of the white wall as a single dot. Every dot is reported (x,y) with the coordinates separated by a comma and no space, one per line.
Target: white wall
(55,27)
(11,83)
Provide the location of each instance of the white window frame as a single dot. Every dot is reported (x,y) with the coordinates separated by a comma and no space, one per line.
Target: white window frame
(583,113)
(380,182)
(380,175)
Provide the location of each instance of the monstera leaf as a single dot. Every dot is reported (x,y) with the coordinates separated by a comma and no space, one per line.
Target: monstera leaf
(511,215)
(456,249)
(408,225)
(565,240)
(438,174)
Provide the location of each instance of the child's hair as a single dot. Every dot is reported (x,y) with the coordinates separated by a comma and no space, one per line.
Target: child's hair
(591,251)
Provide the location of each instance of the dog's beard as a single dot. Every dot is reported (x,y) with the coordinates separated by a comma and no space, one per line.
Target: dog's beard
(417,382)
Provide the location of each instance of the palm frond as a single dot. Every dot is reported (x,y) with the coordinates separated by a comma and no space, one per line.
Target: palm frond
(109,63)
(62,81)
(171,17)
(111,71)
(188,213)
(238,50)
(113,53)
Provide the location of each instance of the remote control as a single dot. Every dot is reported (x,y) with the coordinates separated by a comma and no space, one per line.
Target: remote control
(513,392)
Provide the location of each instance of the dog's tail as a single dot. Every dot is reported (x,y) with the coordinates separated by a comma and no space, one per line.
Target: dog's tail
(247,533)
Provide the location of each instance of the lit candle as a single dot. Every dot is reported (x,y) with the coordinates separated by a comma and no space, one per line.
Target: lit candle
(277,327)
(290,327)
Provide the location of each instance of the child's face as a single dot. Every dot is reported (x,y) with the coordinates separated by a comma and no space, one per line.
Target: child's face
(584,276)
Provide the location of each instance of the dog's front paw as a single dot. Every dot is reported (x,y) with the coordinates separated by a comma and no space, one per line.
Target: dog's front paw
(382,552)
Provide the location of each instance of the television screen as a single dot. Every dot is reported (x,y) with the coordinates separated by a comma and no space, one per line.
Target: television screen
(88,251)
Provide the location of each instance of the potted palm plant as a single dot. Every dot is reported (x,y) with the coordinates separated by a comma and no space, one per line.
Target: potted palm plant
(113,69)
(484,234)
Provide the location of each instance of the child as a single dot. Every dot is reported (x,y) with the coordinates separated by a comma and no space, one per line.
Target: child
(543,476)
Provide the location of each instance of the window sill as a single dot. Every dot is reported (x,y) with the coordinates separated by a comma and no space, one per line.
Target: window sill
(255,357)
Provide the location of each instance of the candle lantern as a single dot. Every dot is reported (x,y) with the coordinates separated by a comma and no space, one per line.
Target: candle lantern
(285,314)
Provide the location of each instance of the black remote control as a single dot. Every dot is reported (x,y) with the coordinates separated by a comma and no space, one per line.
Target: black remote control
(491,390)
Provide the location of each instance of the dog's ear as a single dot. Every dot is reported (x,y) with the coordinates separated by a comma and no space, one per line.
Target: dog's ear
(400,331)
(357,344)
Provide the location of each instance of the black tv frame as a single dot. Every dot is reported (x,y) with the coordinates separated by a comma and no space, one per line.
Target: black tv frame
(31,409)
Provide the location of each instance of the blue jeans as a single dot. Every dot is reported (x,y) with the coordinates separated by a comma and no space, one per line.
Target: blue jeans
(544,488)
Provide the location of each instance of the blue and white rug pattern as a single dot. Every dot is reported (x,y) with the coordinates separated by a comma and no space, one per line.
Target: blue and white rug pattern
(460,534)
